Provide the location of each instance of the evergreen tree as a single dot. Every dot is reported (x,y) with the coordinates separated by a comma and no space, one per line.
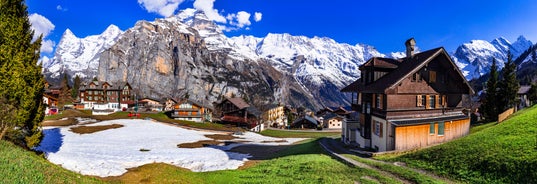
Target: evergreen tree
(532,93)
(76,86)
(22,83)
(490,106)
(65,92)
(508,86)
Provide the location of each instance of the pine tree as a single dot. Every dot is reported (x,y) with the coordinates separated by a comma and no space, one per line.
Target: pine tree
(76,86)
(20,76)
(508,86)
(65,92)
(532,93)
(490,106)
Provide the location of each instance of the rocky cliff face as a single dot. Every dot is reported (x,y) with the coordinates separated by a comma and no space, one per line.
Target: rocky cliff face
(167,58)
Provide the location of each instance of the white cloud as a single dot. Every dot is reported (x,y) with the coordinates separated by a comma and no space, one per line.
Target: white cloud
(243,18)
(41,25)
(258,16)
(207,6)
(60,8)
(47,46)
(165,8)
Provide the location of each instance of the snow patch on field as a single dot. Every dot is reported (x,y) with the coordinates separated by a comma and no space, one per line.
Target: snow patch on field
(111,152)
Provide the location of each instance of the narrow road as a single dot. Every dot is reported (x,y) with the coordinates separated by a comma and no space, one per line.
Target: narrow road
(336,149)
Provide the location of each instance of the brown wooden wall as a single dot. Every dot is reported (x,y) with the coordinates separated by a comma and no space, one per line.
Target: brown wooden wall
(409,137)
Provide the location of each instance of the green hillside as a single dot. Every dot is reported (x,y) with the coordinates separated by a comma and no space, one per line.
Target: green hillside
(20,166)
(503,153)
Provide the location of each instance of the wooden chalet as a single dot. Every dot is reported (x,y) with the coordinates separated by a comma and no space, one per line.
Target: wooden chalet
(236,110)
(190,110)
(409,102)
(114,96)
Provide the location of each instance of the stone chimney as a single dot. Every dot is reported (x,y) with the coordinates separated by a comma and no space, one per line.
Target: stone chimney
(410,47)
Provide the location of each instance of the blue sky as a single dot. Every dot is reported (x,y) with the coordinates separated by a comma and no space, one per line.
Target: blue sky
(382,24)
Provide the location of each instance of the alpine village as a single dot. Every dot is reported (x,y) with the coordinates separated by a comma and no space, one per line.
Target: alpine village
(177,101)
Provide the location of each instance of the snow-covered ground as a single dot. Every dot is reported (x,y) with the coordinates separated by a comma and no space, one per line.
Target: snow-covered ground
(111,152)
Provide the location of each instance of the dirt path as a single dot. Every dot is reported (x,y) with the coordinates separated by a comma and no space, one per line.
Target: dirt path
(337,149)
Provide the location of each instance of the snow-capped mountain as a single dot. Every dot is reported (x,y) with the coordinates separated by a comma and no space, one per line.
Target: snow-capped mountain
(189,54)
(474,58)
(80,56)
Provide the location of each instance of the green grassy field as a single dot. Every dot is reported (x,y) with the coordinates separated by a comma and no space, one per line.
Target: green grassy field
(494,153)
(298,134)
(20,166)
(302,163)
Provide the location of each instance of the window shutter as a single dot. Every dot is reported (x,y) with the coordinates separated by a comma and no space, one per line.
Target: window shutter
(373,99)
(427,102)
(444,100)
(380,134)
(381,101)
(437,100)
(419,103)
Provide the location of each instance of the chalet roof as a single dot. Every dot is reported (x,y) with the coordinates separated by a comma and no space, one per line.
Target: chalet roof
(306,119)
(382,62)
(99,85)
(418,121)
(406,67)
(523,90)
(329,116)
(238,102)
(195,102)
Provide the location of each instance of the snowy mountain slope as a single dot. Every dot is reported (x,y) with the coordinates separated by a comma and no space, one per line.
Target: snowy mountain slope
(474,58)
(319,65)
(80,56)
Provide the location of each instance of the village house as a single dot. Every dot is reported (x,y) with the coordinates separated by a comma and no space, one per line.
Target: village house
(408,103)
(104,97)
(169,103)
(50,98)
(149,104)
(523,100)
(275,116)
(332,120)
(190,110)
(306,122)
(237,111)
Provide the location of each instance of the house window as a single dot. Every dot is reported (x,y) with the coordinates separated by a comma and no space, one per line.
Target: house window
(431,103)
(431,128)
(378,128)
(90,92)
(368,108)
(416,77)
(441,128)
(432,76)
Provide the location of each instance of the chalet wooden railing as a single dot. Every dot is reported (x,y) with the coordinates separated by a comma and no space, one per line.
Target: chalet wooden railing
(505,114)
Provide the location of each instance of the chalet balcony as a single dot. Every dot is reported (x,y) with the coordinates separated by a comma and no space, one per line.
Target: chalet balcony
(186,116)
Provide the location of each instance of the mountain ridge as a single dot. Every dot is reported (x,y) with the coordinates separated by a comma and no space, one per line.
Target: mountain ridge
(315,67)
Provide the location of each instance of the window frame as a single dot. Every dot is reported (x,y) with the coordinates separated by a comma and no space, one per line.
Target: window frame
(441,128)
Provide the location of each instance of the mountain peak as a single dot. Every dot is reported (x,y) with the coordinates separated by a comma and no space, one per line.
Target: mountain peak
(68,34)
(112,29)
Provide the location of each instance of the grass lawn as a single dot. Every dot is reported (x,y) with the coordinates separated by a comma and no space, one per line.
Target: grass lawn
(298,134)
(501,153)
(302,163)
(20,166)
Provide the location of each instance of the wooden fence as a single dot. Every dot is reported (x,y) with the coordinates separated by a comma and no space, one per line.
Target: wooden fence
(505,114)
